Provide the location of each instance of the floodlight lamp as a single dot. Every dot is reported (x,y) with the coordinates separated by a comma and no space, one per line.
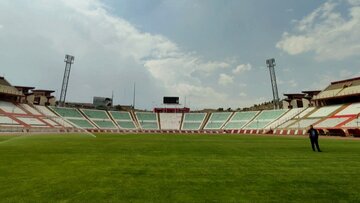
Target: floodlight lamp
(270,62)
(69,59)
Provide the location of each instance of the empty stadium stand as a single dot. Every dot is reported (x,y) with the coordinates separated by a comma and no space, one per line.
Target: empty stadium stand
(100,118)
(217,120)
(345,118)
(51,116)
(240,119)
(286,117)
(264,118)
(314,117)
(9,107)
(123,119)
(147,120)
(8,122)
(73,116)
(296,118)
(193,121)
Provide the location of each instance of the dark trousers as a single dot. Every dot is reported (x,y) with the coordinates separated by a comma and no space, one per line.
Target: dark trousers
(314,142)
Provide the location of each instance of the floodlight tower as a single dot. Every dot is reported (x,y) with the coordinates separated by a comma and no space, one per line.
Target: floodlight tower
(271,65)
(68,61)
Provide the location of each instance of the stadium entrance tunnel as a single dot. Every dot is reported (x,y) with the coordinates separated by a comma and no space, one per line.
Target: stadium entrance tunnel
(354,132)
(333,132)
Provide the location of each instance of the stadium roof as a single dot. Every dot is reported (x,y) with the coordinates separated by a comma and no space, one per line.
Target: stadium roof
(311,92)
(24,87)
(345,81)
(342,88)
(45,91)
(8,89)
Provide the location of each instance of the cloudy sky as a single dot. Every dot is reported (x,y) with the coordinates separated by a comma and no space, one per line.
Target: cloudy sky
(212,52)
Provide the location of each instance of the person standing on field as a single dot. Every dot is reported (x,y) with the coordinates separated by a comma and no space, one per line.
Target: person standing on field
(314,138)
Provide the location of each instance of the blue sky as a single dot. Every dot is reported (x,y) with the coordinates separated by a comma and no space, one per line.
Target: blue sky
(211,52)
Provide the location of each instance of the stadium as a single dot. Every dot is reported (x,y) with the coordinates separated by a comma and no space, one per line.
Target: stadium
(334,111)
(221,131)
(173,154)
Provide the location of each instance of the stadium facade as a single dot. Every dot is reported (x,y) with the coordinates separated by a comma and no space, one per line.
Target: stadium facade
(333,111)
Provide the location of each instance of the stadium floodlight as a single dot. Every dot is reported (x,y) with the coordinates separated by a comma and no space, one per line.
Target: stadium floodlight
(271,65)
(68,60)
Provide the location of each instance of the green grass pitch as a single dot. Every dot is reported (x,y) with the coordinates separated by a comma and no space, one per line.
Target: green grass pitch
(177,168)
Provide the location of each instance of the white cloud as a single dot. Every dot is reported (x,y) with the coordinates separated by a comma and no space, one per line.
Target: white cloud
(292,83)
(289,83)
(326,32)
(242,68)
(345,74)
(295,44)
(110,54)
(225,79)
(242,94)
(354,2)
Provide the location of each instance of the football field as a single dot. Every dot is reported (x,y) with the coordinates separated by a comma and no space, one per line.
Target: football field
(177,168)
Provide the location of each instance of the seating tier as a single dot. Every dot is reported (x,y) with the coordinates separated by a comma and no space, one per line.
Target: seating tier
(352,109)
(67,112)
(240,119)
(147,120)
(11,108)
(330,122)
(97,114)
(217,120)
(123,119)
(324,111)
(264,118)
(193,121)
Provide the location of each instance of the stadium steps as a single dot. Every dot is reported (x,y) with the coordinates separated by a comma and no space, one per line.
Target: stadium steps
(158,120)
(217,120)
(275,120)
(182,120)
(339,110)
(304,117)
(100,118)
(207,117)
(244,119)
(123,120)
(251,120)
(135,121)
(228,120)
(88,119)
